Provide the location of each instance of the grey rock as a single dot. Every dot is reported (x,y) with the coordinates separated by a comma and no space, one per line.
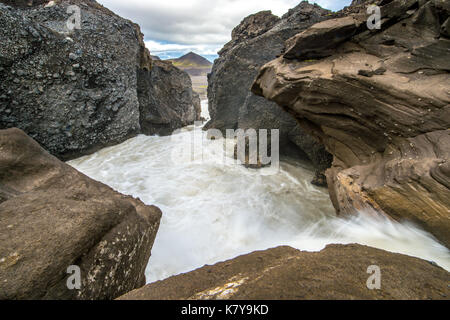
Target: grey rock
(106,84)
(73,56)
(167,99)
(257,40)
(445,29)
(35,112)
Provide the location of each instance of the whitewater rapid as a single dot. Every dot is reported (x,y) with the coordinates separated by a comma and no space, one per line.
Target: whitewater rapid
(214,210)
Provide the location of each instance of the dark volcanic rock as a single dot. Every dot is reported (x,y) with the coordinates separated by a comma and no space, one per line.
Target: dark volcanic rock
(283,273)
(74,91)
(167,99)
(24,3)
(380,104)
(52,217)
(258,39)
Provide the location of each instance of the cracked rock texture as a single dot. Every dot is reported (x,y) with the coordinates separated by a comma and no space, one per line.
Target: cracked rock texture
(379,101)
(284,273)
(258,39)
(77,91)
(52,217)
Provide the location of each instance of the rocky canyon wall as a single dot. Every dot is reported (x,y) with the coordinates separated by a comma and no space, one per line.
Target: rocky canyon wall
(379,101)
(258,39)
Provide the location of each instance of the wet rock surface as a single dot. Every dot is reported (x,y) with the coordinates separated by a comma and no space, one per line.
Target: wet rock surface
(258,39)
(284,273)
(53,217)
(75,90)
(380,105)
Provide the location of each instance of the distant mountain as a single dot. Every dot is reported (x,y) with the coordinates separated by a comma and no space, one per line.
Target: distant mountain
(198,68)
(191,60)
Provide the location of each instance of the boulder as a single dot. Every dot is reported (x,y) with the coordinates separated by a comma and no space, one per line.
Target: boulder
(167,99)
(283,273)
(74,90)
(380,105)
(258,39)
(53,217)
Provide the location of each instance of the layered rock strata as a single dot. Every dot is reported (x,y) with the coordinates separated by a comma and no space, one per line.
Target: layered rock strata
(379,101)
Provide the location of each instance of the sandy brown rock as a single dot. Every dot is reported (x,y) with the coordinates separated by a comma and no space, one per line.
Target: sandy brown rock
(52,217)
(337,272)
(380,104)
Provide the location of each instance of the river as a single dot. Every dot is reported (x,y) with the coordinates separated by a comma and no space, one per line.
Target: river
(215,210)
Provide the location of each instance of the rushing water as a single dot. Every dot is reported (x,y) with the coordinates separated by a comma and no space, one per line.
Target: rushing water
(214,210)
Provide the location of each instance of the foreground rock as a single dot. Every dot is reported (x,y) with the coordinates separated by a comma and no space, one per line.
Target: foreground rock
(258,39)
(74,90)
(379,101)
(168,99)
(283,273)
(52,217)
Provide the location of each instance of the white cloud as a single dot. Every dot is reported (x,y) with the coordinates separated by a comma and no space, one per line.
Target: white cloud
(197,25)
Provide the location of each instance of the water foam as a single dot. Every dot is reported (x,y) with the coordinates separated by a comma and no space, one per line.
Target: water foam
(214,210)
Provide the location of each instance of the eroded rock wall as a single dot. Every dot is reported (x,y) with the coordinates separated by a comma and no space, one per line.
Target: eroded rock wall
(379,101)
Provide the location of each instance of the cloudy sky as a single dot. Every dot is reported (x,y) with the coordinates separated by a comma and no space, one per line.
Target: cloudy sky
(175,27)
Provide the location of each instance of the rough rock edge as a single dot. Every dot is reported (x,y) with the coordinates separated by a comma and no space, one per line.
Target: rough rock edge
(34,254)
(284,273)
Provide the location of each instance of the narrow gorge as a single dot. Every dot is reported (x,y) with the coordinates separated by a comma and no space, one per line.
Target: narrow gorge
(111,161)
